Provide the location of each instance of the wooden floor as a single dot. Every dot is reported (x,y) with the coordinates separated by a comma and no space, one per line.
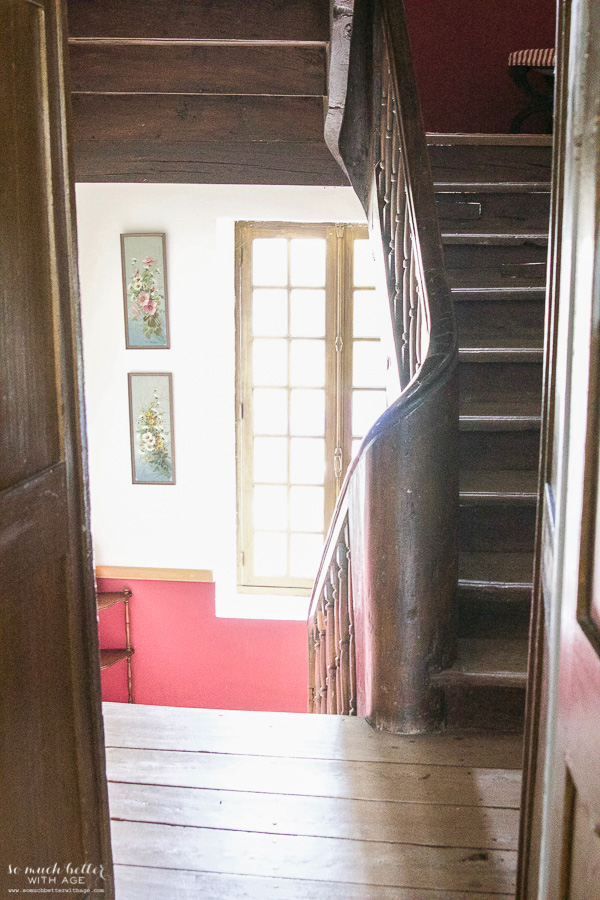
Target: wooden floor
(221,805)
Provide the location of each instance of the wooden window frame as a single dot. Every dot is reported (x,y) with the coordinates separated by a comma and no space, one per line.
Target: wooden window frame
(338,386)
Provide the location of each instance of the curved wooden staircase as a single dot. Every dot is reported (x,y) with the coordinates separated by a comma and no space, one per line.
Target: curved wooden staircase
(419,618)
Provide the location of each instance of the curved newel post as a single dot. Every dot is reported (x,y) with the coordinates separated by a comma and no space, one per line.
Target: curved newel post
(403,522)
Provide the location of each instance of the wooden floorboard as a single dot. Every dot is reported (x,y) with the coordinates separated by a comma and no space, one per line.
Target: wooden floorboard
(298,735)
(226,805)
(361,820)
(143,883)
(325,778)
(325,859)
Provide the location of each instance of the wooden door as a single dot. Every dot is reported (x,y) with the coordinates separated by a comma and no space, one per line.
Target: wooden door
(53,806)
(560,839)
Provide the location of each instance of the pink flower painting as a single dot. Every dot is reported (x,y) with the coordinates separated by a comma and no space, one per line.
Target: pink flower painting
(146,318)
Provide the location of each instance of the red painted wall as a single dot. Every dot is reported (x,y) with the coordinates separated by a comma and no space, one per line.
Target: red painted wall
(460,49)
(185,656)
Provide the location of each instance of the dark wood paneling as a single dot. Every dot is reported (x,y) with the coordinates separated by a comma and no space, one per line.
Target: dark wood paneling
(274,20)
(278,162)
(175,118)
(180,69)
(54,804)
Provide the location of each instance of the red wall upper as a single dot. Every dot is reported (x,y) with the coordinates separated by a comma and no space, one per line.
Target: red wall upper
(460,49)
(185,656)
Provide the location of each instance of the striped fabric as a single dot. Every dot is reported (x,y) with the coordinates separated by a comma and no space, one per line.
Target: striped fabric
(542,58)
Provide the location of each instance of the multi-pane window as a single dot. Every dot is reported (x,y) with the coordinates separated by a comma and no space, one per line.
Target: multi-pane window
(311,376)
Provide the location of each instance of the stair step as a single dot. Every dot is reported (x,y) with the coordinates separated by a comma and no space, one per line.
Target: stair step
(499,415)
(499,166)
(499,485)
(487,662)
(495,234)
(500,210)
(496,527)
(499,450)
(499,282)
(487,353)
(500,573)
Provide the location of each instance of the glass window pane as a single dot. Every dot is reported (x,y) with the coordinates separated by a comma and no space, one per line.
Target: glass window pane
(367,406)
(307,363)
(307,312)
(364,265)
(369,364)
(270,411)
(270,460)
(366,319)
(270,553)
(307,262)
(306,509)
(356,442)
(269,361)
(269,312)
(307,460)
(305,555)
(307,414)
(270,507)
(269,261)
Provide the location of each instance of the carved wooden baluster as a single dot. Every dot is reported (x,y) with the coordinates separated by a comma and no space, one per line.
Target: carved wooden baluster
(387,164)
(344,629)
(394,160)
(414,304)
(351,645)
(338,599)
(382,136)
(321,620)
(405,371)
(330,651)
(311,668)
(316,667)
(398,283)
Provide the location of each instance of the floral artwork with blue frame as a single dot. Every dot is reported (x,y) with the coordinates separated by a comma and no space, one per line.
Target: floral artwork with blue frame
(143,261)
(151,427)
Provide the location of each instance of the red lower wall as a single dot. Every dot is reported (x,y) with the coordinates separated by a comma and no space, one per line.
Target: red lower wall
(460,49)
(185,656)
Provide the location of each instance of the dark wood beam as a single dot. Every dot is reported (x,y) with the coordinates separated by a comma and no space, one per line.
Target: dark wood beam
(276,20)
(195,162)
(154,118)
(210,69)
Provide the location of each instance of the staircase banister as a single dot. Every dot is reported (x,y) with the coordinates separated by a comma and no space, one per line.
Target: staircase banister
(396,517)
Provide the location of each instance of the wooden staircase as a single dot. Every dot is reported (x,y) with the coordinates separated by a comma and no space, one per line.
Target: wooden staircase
(493,195)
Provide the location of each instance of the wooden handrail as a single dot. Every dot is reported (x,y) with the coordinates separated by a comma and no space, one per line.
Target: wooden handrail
(397,509)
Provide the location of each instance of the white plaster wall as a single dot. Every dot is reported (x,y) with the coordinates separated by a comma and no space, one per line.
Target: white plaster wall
(190,524)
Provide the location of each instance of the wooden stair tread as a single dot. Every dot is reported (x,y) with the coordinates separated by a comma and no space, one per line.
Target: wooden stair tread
(496,571)
(498,485)
(527,280)
(105,599)
(475,186)
(500,662)
(493,233)
(499,414)
(110,657)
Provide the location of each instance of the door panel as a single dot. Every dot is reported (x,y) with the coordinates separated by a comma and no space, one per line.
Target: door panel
(53,807)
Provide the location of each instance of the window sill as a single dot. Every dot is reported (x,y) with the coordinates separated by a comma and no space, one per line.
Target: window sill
(288,608)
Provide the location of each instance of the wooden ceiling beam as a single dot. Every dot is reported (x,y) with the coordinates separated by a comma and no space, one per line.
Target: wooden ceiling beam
(208,69)
(279,162)
(277,20)
(182,118)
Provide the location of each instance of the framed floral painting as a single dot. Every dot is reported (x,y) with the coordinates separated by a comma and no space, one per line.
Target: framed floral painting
(144,266)
(151,427)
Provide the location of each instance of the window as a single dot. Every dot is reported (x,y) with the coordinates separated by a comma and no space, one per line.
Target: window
(311,376)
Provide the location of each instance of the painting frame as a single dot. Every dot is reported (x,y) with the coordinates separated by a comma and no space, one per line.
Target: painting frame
(146,319)
(151,427)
